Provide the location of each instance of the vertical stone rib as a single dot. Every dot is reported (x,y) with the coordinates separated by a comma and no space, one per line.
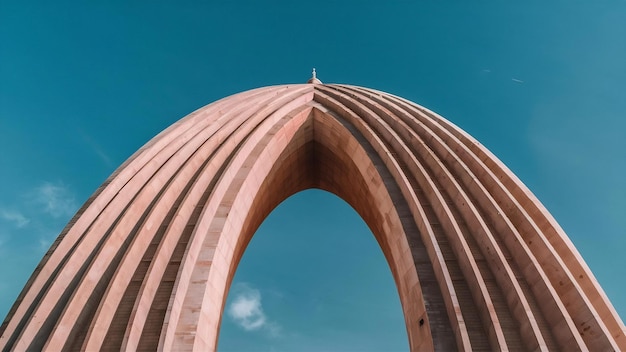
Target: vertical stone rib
(503,225)
(459,213)
(407,255)
(513,240)
(192,279)
(116,244)
(234,207)
(469,210)
(185,217)
(550,232)
(445,281)
(451,225)
(193,154)
(32,295)
(527,228)
(473,198)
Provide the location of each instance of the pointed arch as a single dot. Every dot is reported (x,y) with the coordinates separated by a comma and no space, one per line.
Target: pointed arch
(478,262)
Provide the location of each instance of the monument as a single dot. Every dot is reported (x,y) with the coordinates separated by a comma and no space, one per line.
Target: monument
(147,262)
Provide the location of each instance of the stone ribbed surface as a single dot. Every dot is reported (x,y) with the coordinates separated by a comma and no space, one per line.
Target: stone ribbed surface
(146,263)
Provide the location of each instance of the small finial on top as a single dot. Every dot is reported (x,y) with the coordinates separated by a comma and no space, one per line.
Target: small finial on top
(314,79)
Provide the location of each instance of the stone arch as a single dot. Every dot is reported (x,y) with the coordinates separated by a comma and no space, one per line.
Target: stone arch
(478,262)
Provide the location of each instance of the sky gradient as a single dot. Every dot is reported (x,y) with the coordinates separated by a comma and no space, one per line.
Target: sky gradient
(84,85)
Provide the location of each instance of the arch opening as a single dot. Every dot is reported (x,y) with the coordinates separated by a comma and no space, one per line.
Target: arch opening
(321,154)
(283,267)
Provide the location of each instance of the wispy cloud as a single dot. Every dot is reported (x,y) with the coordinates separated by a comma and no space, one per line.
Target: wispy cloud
(246,310)
(95,146)
(17,218)
(44,244)
(517,80)
(56,199)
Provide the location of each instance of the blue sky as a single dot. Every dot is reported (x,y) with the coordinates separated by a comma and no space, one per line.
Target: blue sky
(541,84)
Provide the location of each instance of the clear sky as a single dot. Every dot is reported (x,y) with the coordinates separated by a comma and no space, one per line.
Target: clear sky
(85,84)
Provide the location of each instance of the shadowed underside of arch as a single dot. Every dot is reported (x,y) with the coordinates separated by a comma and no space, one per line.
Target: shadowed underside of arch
(478,262)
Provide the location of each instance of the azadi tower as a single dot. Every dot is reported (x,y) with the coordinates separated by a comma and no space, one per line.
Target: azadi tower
(478,262)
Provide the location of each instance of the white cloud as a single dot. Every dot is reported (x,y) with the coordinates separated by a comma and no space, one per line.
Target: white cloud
(56,199)
(15,217)
(246,310)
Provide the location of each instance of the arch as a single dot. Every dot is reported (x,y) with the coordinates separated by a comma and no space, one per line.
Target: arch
(478,262)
